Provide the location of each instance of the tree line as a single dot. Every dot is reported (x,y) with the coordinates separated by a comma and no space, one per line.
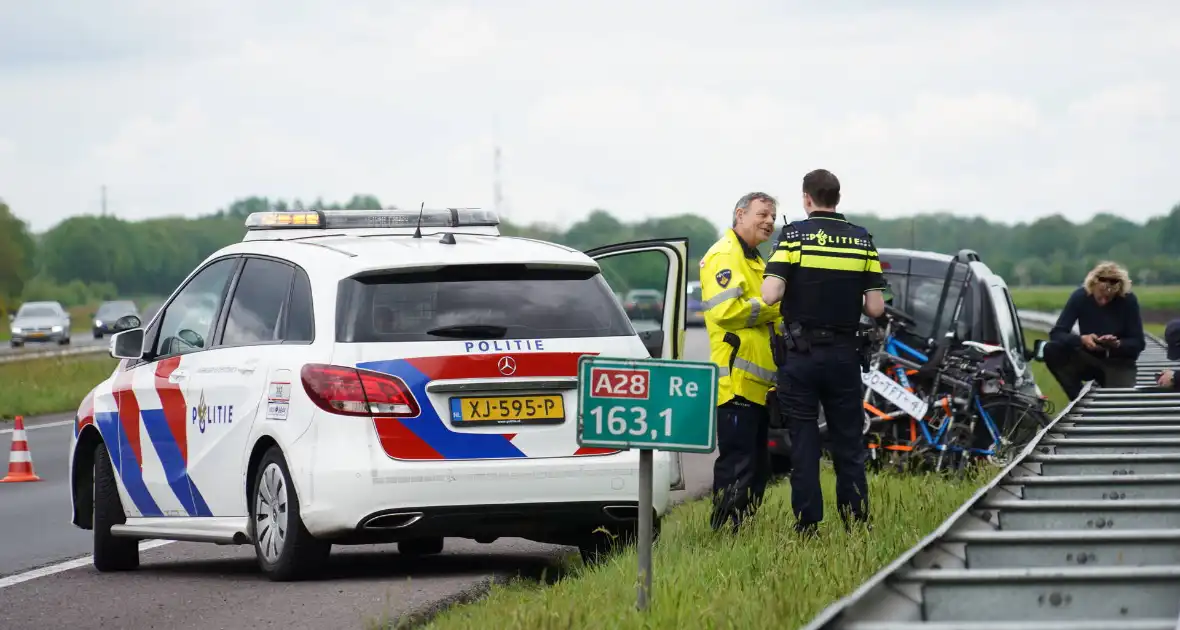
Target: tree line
(87,258)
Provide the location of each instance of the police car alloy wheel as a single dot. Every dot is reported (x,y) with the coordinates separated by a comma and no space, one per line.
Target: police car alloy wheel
(111,553)
(285,549)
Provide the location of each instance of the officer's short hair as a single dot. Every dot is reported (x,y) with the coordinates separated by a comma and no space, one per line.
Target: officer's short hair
(823,188)
(750,198)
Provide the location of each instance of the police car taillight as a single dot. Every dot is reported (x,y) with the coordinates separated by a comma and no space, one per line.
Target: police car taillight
(352,392)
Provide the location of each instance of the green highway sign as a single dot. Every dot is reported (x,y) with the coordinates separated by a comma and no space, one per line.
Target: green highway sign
(655,404)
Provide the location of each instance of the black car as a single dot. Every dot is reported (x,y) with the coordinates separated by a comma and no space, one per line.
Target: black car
(921,288)
(108,313)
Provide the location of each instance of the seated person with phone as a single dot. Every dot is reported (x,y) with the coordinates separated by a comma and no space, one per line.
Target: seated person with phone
(1110,337)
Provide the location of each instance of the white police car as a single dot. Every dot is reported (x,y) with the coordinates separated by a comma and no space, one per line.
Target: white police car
(345,377)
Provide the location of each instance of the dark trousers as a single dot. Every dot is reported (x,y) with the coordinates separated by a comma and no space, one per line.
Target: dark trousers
(742,467)
(829,375)
(1072,367)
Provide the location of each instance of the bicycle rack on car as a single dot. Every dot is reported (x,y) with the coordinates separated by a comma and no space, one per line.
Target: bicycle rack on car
(1080,532)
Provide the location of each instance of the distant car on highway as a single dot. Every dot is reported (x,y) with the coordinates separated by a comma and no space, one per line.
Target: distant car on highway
(644,304)
(296,398)
(110,312)
(696,309)
(40,322)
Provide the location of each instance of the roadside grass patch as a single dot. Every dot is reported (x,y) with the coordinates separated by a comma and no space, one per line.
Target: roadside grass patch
(49,385)
(765,577)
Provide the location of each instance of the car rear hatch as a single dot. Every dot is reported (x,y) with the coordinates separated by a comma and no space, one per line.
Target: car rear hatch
(470,362)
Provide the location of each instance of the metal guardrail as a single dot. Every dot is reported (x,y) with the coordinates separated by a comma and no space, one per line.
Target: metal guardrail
(1040,321)
(1080,532)
(10,357)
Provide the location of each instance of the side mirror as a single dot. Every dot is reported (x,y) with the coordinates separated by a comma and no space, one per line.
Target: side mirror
(127,322)
(127,344)
(1038,351)
(653,340)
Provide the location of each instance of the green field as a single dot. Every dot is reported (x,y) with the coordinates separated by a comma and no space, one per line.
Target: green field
(1051,299)
(50,385)
(763,578)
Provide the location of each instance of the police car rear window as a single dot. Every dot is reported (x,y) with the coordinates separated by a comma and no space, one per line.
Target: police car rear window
(478,302)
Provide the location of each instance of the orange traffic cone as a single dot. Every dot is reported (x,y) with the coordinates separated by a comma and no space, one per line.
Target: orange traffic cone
(20,461)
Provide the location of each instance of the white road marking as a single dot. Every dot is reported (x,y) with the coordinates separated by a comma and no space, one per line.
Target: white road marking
(34,427)
(68,565)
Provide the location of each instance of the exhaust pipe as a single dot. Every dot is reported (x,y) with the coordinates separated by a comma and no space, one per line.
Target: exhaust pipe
(396,520)
(622,512)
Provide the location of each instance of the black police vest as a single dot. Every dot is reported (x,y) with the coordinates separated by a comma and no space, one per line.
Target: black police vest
(828,264)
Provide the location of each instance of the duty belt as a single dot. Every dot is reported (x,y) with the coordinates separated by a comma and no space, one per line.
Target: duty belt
(800,338)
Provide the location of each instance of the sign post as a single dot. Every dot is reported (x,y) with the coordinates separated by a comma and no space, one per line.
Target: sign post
(650,405)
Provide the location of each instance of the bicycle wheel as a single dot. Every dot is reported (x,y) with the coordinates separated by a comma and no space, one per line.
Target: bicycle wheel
(1017,421)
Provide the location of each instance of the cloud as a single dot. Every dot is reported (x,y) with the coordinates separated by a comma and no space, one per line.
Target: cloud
(657,108)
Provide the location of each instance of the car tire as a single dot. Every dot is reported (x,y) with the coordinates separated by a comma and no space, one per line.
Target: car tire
(15,344)
(111,553)
(285,550)
(98,335)
(420,546)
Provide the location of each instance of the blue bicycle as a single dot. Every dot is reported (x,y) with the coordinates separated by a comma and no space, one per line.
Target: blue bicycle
(946,406)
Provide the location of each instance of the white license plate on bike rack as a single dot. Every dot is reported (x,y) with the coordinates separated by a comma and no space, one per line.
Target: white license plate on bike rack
(892,391)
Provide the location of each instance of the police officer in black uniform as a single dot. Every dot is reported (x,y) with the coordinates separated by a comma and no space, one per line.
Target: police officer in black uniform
(826,271)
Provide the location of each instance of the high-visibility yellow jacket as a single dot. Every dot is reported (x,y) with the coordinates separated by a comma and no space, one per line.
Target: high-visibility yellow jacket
(738,321)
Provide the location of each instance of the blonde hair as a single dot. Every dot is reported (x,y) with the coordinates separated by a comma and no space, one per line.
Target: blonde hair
(1108,269)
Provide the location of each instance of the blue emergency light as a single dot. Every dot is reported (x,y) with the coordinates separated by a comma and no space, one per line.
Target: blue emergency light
(360,219)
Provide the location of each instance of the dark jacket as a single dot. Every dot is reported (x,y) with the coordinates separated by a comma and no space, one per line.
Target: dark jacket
(1120,317)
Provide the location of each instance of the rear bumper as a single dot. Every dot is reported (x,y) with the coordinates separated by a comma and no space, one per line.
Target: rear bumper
(554,522)
(342,490)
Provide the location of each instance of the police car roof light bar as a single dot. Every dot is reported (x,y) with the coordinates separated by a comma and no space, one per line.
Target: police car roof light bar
(360,219)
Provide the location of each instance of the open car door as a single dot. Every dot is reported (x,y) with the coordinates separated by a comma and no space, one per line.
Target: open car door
(652,278)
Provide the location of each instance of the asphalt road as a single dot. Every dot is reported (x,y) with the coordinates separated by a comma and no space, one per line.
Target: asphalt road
(188,585)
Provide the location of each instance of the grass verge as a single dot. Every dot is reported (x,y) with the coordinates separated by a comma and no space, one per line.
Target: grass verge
(765,577)
(49,385)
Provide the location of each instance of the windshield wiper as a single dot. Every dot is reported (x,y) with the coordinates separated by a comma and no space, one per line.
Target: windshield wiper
(470,331)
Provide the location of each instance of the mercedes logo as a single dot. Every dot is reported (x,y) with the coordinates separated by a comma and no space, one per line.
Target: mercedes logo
(507,366)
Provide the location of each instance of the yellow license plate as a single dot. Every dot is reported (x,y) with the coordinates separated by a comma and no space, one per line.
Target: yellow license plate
(549,409)
(36,334)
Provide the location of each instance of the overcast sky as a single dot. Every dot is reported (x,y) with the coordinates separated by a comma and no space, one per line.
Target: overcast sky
(1004,109)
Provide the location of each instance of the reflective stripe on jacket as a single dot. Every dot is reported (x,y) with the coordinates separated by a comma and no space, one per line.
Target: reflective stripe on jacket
(737,319)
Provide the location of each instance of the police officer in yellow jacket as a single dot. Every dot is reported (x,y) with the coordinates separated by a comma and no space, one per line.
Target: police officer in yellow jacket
(739,325)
